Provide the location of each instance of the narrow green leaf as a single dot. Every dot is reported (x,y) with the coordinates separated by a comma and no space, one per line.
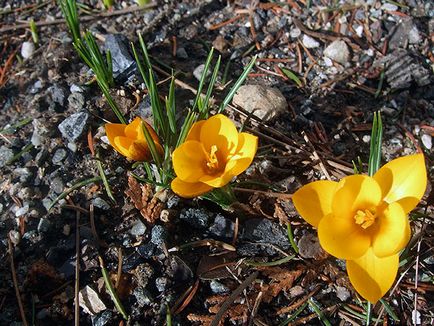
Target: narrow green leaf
(288,73)
(71,189)
(375,145)
(111,290)
(271,263)
(205,111)
(237,85)
(294,315)
(104,178)
(188,122)
(318,311)
(291,238)
(152,148)
(389,310)
(170,106)
(203,78)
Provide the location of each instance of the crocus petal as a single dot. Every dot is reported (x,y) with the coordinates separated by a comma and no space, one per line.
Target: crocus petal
(113,130)
(314,200)
(404,180)
(355,192)
(218,180)
(131,149)
(189,190)
(189,161)
(372,276)
(391,231)
(343,238)
(134,129)
(244,155)
(194,133)
(220,131)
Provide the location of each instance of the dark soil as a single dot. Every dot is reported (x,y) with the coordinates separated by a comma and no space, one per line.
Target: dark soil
(324,128)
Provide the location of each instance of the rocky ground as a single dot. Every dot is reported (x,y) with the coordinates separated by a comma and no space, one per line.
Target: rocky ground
(323,68)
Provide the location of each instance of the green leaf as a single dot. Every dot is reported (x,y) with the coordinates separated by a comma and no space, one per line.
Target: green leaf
(375,145)
(203,78)
(237,85)
(288,73)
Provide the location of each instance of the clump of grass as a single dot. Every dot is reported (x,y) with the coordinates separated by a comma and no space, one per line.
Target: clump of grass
(90,53)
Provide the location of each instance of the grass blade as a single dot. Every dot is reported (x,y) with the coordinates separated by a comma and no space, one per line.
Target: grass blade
(104,178)
(237,85)
(211,85)
(271,263)
(288,73)
(291,238)
(111,290)
(375,145)
(71,189)
(318,311)
(203,78)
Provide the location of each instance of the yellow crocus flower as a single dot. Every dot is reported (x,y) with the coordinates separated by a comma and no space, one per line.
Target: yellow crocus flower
(364,220)
(129,140)
(212,154)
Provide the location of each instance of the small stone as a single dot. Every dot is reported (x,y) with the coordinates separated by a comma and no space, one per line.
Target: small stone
(294,32)
(158,234)
(427,141)
(44,225)
(27,49)
(197,218)
(161,283)
(124,66)
(296,291)
(198,71)
(15,237)
(103,318)
(181,53)
(389,7)
(366,138)
(218,288)
(138,229)
(57,94)
(76,89)
(342,293)
(76,101)
(143,297)
(59,156)
(41,157)
(264,102)
(22,210)
(5,155)
(39,133)
(24,173)
(36,87)
(57,185)
(90,302)
(220,44)
(309,42)
(222,227)
(100,203)
(265,231)
(338,51)
(73,126)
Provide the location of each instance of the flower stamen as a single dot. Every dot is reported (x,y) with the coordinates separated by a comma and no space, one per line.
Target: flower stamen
(213,162)
(365,218)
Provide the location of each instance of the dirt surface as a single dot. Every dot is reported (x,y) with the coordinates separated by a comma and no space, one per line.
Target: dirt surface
(349,59)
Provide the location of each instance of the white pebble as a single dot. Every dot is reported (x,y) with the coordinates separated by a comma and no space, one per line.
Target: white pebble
(309,42)
(27,49)
(427,141)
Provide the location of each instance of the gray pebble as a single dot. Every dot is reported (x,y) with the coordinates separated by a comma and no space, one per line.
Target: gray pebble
(59,156)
